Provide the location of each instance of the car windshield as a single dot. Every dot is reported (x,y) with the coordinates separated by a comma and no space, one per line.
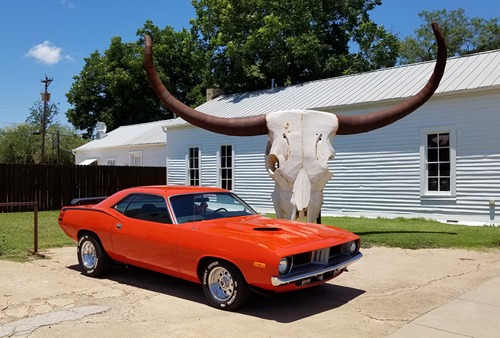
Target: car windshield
(199,207)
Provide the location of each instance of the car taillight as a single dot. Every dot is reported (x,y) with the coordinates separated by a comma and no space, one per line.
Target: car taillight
(61,215)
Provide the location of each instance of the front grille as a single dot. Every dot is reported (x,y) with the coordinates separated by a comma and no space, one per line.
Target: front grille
(313,259)
(303,258)
(321,256)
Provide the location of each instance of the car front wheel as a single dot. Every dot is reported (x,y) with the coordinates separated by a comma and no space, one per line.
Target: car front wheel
(93,260)
(224,285)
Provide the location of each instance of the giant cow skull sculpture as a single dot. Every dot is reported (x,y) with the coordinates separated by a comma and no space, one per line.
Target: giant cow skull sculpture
(299,146)
(300,141)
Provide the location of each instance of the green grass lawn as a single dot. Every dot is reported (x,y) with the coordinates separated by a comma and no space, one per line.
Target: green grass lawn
(417,233)
(16,233)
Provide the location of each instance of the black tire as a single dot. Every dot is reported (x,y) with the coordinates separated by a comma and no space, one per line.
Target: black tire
(224,286)
(93,260)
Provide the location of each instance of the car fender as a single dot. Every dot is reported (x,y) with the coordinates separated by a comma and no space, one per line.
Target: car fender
(78,220)
(196,248)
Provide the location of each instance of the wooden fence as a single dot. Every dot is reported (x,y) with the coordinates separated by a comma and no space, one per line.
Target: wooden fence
(54,186)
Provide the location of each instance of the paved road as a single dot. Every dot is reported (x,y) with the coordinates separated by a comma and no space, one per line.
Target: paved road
(380,295)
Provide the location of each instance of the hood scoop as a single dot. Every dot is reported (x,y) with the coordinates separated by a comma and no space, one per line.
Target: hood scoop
(266,229)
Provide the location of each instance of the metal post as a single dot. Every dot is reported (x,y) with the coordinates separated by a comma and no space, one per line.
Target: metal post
(35,230)
(35,222)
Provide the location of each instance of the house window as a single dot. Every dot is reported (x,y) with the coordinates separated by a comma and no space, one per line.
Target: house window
(111,161)
(136,158)
(226,167)
(194,166)
(438,163)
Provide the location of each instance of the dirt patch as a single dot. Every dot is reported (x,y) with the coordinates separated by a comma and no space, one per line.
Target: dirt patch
(381,293)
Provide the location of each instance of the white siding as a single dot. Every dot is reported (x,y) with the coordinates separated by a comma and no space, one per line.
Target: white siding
(376,173)
(152,155)
(145,138)
(251,181)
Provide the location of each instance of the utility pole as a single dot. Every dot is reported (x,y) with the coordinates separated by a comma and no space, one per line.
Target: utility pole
(45,98)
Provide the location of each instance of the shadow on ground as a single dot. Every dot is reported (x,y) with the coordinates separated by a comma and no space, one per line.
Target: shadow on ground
(284,307)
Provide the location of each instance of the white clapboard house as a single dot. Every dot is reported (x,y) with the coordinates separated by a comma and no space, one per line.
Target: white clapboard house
(440,162)
(133,145)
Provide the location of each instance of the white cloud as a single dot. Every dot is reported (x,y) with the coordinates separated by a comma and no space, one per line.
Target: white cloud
(68,4)
(47,53)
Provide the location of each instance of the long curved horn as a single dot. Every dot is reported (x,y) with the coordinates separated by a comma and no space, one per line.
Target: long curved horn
(243,126)
(378,119)
(256,125)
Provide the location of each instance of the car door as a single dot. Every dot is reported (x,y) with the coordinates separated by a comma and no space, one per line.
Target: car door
(145,235)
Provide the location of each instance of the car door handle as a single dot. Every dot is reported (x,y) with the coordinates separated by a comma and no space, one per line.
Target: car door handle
(118,225)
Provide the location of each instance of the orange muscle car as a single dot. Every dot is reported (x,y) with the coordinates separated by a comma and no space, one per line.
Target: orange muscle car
(209,236)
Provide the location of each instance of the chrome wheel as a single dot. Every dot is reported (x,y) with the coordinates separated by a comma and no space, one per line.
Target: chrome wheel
(221,284)
(93,259)
(224,285)
(88,255)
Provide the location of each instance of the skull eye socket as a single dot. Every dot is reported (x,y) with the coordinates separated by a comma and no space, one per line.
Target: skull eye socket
(273,162)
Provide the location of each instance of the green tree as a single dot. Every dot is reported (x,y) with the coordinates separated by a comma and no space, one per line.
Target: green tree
(37,112)
(19,144)
(251,42)
(113,88)
(42,115)
(22,144)
(463,36)
(59,144)
(234,45)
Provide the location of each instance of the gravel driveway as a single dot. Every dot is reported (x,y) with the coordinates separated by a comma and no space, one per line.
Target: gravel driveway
(381,293)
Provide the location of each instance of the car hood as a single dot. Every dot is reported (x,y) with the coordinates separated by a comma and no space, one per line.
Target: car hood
(275,232)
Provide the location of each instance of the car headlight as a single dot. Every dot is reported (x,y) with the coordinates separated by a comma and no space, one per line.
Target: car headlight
(285,265)
(350,247)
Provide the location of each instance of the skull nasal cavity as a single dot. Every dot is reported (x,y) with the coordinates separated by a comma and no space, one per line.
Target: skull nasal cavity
(273,162)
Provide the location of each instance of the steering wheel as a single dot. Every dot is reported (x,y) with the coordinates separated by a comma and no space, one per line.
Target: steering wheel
(219,210)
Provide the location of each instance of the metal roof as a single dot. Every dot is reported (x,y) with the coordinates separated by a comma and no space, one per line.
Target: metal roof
(134,134)
(471,72)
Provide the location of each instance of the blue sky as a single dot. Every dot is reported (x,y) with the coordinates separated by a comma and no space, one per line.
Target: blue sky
(52,37)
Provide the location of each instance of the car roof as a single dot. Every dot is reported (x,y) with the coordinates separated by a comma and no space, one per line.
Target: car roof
(175,189)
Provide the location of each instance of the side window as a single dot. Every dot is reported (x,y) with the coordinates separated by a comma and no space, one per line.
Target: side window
(438,163)
(226,167)
(152,208)
(183,207)
(194,166)
(123,204)
(135,158)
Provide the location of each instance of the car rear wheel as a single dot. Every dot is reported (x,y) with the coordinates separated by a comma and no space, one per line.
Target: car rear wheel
(224,285)
(93,260)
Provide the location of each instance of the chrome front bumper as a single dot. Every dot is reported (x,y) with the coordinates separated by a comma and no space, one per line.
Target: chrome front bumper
(336,269)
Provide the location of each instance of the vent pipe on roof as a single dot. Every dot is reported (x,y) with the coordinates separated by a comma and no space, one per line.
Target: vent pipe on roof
(100,130)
